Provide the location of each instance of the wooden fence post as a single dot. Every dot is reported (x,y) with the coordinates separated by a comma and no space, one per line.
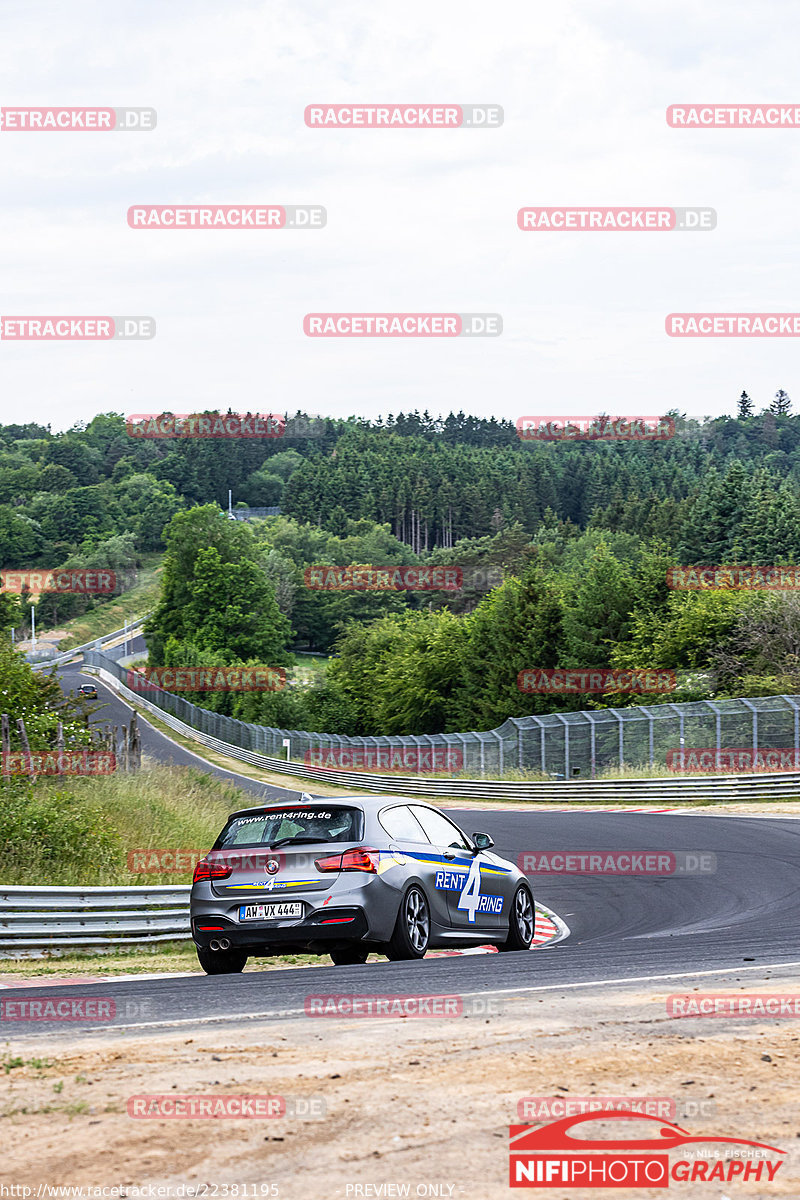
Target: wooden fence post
(134,746)
(26,747)
(6,727)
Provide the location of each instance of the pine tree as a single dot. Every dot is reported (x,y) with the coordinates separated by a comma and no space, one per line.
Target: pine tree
(745,406)
(781,405)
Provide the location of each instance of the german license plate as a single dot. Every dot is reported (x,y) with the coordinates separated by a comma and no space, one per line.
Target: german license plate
(269,912)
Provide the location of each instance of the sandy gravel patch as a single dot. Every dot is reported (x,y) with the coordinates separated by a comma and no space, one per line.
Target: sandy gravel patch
(407,1102)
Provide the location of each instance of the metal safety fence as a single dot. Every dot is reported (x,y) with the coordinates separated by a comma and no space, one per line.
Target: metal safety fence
(563,746)
(58,660)
(250,514)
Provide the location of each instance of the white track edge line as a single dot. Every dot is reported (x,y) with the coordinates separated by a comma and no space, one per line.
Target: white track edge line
(547,987)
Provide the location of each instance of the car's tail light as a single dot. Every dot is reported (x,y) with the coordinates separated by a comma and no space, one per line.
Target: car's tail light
(363,858)
(210,870)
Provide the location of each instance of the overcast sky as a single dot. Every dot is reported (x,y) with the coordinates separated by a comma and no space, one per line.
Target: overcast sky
(417,220)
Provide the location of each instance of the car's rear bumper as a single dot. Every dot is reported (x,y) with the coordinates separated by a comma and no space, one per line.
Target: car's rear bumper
(320,928)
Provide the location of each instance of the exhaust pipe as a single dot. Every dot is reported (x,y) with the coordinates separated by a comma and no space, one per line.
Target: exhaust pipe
(224,943)
(214,944)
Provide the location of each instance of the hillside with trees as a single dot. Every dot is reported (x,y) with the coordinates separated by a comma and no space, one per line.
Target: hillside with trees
(572,541)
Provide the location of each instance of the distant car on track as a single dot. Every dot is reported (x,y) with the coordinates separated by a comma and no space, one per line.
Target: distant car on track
(88,690)
(348,877)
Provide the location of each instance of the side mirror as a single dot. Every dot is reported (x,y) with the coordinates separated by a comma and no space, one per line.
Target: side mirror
(482,841)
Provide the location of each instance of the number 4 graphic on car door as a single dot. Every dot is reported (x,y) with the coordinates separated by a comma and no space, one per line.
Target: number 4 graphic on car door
(471,892)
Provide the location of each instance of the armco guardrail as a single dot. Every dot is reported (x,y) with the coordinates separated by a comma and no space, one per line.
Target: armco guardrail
(95,644)
(36,919)
(637,791)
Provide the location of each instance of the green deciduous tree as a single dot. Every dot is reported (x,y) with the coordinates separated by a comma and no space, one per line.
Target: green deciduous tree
(215,595)
(597,610)
(517,628)
(36,698)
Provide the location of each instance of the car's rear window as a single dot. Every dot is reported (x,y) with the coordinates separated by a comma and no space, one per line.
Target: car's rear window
(331,823)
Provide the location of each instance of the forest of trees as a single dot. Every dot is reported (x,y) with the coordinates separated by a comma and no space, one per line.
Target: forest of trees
(580,537)
(426,662)
(433,482)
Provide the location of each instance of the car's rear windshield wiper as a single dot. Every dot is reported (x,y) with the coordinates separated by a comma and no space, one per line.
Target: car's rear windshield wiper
(285,841)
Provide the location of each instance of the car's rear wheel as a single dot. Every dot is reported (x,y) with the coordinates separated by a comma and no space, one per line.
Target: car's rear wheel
(350,956)
(412,930)
(221,962)
(521,920)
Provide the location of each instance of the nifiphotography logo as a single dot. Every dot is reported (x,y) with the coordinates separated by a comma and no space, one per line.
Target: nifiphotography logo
(554,1156)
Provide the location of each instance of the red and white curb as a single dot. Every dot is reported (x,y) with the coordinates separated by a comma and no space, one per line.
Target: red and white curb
(537,806)
(549,929)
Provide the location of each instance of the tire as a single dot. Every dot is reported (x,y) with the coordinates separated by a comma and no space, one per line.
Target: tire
(412,930)
(349,957)
(521,920)
(221,962)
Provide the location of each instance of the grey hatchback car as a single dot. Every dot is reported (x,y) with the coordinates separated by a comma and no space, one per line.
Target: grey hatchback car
(347,877)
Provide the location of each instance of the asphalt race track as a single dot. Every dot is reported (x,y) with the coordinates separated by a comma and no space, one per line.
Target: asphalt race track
(115,711)
(742,918)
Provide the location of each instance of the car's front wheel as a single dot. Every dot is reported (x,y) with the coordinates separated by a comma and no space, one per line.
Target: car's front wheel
(221,962)
(350,956)
(412,930)
(521,920)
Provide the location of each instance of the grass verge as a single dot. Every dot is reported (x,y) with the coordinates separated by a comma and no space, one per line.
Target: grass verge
(80,831)
(112,614)
(225,763)
(166,957)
